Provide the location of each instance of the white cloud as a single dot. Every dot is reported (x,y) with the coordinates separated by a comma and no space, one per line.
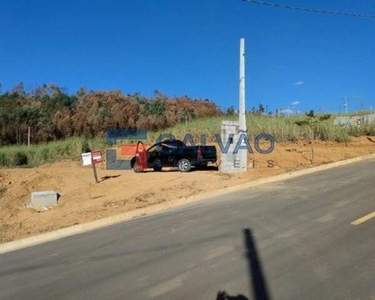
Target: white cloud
(295,103)
(287,112)
(299,83)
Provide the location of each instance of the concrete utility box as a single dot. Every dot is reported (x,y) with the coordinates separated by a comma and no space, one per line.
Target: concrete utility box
(230,163)
(40,200)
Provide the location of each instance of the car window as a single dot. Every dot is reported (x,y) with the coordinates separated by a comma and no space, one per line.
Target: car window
(154,148)
(168,147)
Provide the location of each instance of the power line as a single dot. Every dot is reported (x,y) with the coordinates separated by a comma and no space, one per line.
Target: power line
(319,11)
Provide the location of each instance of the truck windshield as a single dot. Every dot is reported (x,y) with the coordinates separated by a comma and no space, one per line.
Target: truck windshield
(155,148)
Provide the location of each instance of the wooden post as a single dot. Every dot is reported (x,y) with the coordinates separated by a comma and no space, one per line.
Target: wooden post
(94,169)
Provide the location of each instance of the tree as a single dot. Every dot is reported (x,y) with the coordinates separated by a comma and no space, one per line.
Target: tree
(261,108)
(51,113)
(230,111)
(19,90)
(310,114)
(312,122)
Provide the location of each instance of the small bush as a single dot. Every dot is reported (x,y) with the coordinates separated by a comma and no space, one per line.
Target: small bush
(20,158)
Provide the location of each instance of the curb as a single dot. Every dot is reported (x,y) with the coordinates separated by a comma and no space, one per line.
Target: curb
(81,228)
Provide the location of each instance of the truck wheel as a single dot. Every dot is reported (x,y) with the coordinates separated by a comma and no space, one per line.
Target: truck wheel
(184,165)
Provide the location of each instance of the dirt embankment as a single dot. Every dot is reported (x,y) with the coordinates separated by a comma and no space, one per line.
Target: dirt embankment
(119,191)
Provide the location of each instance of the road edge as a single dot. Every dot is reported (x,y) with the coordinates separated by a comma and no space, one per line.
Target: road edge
(90,226)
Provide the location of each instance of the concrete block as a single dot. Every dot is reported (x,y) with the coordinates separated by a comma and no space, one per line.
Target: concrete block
(43,200)
(230,162)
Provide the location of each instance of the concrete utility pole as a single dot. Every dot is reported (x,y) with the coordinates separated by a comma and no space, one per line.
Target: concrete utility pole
(234,132)
(242,117)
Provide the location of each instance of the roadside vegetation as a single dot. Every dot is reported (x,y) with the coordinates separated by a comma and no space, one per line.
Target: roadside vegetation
(281,128)
(36,155)
(49,113)
(291,129)
(58,125)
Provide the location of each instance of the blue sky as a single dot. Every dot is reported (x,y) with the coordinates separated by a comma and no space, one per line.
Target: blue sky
(191,48)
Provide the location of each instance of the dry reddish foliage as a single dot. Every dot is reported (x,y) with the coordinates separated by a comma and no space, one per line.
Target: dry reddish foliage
(51,113)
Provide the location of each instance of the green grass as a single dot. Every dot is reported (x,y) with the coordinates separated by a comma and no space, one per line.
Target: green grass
(282,129)
(36,155)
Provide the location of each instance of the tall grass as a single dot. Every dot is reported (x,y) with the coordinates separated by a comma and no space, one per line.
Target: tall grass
(207,126)
(35,155)
(282,129)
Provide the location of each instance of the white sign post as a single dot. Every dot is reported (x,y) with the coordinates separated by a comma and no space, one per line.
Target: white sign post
(86,158)
(91,158)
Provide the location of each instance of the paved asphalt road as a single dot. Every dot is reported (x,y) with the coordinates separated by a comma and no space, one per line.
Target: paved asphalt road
(299,244)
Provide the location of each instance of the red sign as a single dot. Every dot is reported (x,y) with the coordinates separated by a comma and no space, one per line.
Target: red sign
(96,157)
